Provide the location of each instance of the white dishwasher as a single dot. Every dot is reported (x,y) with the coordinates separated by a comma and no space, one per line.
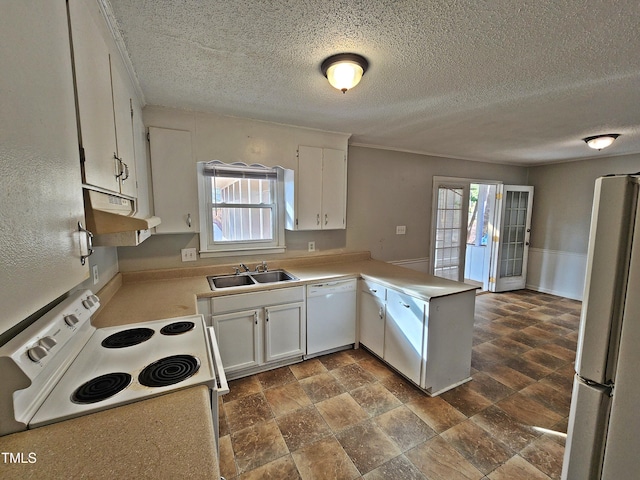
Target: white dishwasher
(331,315)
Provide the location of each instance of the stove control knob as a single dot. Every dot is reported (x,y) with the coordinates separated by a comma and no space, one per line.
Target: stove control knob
(87,303)
(48,342)
(37,353)
(94,299)
(71,320)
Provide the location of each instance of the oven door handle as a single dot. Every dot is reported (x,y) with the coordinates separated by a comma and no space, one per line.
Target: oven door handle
(221,378)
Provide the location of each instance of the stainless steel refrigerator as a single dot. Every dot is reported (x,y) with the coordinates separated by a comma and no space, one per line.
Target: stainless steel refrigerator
(603,440)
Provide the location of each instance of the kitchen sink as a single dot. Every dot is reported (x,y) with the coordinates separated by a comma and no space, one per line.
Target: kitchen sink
(226,281)
(274,276)
(246,279)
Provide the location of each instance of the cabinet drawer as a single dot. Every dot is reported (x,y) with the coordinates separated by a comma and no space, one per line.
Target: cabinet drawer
(244,301)
(372,288)
(405,303)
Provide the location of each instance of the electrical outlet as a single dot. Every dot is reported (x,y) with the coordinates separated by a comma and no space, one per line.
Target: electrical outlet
(312,246)
(401,229)
(96,278)
(189,255)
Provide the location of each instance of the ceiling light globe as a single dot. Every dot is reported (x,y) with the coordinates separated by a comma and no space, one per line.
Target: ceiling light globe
(344,70)
(344,75)
(601,141)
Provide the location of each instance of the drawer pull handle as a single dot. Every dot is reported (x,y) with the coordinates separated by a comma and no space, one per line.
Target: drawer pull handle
(405,305)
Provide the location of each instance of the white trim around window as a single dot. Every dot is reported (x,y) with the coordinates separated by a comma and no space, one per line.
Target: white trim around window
(241,209)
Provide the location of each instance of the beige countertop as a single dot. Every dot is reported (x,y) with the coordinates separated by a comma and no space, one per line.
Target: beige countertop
(154,295)
(170,436)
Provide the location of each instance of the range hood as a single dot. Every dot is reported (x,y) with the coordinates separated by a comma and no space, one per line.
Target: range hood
(111,218)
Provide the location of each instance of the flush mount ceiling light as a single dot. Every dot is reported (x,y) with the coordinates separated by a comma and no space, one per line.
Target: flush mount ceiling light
(598,142)
(344,70)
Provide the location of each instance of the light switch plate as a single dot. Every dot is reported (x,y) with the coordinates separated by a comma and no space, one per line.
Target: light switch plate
(189,255)
(401,229)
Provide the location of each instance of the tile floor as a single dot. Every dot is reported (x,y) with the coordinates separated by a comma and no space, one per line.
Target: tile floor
(347,416)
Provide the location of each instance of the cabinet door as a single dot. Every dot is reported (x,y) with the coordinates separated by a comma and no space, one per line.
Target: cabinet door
(41,192)
(95,101)
(404,333)
(284,329)
(175,180)
(372,315)
(123,116)
(334,189)
(309,188)
(238,339)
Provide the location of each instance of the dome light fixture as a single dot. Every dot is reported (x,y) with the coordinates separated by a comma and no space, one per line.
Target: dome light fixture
(344,70)
(598,142)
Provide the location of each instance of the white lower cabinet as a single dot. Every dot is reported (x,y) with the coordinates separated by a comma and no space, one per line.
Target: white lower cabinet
(404,334)
(256,330)
(238,337)
(427,342)
(372,314)
(284,335)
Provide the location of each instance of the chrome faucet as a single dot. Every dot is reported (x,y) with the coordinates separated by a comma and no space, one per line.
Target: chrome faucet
(244,267)
(262,267)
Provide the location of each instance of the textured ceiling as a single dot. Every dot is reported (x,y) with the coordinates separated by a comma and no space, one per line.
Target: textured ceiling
(498,80)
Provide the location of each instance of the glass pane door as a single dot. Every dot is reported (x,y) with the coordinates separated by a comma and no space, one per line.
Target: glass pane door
(450,232)
(510,264)
(512,247)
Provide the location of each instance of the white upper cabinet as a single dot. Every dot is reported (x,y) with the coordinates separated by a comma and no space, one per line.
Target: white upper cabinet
(174,176)
(318,195)
(104,102)
(334,189)
(40,244)
(123,119)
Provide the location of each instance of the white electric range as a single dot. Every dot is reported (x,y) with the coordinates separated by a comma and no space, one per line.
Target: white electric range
(62,367)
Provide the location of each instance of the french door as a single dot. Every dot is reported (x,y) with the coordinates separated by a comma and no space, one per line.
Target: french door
(508,232)
(512,232)
(450,230)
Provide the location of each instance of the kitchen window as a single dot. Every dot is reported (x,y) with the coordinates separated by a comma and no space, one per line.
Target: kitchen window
(240,208)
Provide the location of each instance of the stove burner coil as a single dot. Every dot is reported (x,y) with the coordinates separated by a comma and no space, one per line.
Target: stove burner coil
(169,370)
(177,328)
(100,388)
(127,338)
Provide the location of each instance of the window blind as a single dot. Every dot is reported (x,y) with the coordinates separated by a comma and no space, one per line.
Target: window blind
(256,171)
